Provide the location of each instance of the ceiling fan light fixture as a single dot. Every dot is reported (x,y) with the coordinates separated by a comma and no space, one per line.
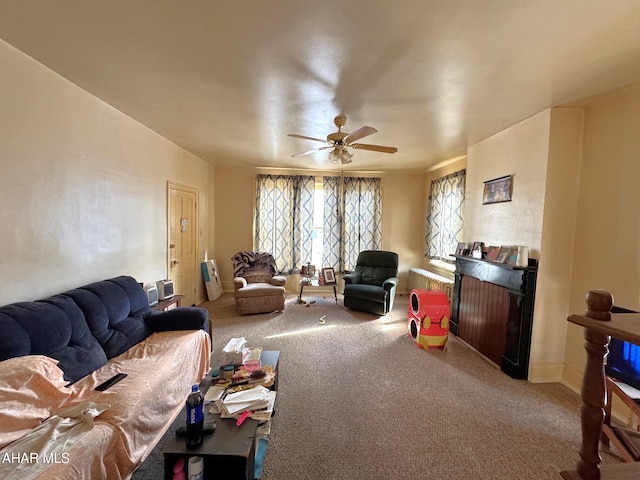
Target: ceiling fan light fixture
(339,141)
(340,155)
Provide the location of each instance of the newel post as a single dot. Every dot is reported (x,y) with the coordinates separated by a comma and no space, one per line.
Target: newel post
(593,393)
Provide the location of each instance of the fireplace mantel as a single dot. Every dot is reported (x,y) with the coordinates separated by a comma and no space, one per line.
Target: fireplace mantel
(492,310)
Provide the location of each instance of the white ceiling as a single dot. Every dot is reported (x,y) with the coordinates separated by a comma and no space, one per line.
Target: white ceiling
(228,80)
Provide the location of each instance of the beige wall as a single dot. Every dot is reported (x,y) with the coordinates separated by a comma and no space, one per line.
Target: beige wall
(402,222)
(83,186)
(558,238)
(521,151)
(234,200)
(607,248)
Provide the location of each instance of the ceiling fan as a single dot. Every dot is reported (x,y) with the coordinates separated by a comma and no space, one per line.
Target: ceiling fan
(340,141)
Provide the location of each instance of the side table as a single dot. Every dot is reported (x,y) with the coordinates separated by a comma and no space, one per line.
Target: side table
(308,282)
(169,303)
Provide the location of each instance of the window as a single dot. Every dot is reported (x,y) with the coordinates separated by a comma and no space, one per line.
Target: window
(318,222)
(352,220)
(444,216)
(327,222)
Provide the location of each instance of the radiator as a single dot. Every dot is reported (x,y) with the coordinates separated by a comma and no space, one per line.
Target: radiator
(423,279)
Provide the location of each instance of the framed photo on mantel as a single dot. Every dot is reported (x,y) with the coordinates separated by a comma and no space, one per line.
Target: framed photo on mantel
(503,253)
(492,253)
(329,276)
(476,250)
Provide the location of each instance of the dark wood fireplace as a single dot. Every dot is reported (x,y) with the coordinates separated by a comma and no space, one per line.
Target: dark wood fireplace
(492,310)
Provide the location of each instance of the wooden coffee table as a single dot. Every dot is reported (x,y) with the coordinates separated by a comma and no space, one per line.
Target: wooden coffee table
(230,451)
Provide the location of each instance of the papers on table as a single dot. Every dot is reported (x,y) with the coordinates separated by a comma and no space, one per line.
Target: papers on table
(252,399)
(258,401)
(214,393)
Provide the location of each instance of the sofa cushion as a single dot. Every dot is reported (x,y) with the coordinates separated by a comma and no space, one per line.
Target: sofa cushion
(259,290)
(376,266)
(366,292)
(32,388)
(114,310)
(54,327)
(375,275)
(183,318)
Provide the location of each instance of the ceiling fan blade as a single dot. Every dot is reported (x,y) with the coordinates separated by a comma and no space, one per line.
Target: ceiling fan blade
(309,152)
(375,148)
(359,133)
(295,135)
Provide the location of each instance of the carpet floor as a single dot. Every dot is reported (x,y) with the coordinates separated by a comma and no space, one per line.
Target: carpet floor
(358,400)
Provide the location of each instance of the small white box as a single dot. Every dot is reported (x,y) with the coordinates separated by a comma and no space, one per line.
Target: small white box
(165,289)
(152,294)
(233,351)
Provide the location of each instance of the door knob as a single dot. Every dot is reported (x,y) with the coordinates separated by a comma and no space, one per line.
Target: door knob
(175,262)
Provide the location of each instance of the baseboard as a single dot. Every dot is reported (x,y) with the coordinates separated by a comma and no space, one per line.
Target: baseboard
(571,378)
(545,372)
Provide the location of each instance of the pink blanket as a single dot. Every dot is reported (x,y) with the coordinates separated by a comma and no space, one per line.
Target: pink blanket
(160,372)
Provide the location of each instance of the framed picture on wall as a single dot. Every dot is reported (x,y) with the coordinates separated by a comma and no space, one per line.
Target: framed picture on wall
(497,190)
(329,276)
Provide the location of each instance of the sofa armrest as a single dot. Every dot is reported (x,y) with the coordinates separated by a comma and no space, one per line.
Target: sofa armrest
(351,278)
(278,280)
(390,283)
(181,318)
(239,282)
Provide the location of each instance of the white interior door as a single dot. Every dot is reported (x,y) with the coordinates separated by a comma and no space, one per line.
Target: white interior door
(183,240)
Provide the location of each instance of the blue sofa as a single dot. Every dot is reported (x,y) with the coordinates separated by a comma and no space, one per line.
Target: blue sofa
(85,327)
(54,353)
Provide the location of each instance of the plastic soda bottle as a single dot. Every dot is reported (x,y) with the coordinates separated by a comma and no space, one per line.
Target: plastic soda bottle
(195,418)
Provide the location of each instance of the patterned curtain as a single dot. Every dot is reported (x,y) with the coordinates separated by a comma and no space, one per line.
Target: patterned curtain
(445,216)
(332,227)
(353,220)
(284,219)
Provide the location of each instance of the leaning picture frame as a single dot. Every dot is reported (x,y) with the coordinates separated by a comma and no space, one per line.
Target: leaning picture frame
(498,190)
(329,276)
(476,250)
(492,252)
(503,253)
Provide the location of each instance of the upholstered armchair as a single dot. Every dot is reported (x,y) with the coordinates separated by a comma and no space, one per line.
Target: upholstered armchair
(256,287)
(371,287)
